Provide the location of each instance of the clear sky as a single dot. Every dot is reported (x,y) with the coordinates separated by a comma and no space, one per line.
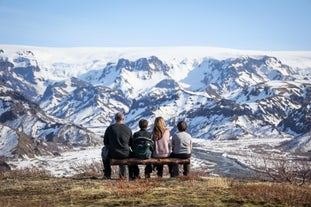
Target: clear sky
(237,24)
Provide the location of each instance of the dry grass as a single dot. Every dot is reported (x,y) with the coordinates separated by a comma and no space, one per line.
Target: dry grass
(35,188)
(274,193)
(25,173)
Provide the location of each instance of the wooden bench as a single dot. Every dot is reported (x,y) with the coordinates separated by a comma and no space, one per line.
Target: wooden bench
(137,161)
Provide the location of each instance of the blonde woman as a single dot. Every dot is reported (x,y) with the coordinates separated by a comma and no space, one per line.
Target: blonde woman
(161,137)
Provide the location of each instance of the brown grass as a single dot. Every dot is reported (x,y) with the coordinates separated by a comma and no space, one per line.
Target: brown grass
(25,173)
(35,187)
(273,193)
(31,187)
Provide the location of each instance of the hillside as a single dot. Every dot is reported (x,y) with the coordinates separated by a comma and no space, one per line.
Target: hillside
(26,130)
(223,94)
(193,191)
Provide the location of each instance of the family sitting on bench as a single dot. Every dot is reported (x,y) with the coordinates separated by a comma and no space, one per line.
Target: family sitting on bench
(121,144)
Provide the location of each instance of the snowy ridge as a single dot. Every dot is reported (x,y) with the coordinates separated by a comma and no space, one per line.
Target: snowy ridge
(223,94)
(68,62)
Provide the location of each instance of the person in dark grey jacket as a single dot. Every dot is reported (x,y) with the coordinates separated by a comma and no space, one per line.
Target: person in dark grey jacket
(117,138)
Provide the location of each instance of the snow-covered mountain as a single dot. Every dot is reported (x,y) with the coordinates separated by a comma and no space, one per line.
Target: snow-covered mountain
(221,93)
(27,130)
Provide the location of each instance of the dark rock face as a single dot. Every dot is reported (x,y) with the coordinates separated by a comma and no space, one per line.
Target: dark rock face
(4,167)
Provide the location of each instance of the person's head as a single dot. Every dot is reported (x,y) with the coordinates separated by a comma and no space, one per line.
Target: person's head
(119,117)
(143,124)
(182,126)
(159,127)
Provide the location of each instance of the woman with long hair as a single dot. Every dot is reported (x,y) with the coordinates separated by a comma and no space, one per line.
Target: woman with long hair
(161,136)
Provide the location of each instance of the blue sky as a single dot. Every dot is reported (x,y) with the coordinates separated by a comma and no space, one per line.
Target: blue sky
(238,24)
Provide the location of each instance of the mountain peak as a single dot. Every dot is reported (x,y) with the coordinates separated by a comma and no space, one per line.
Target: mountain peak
(220,96)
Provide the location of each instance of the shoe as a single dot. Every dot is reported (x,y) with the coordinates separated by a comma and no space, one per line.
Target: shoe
(147,175)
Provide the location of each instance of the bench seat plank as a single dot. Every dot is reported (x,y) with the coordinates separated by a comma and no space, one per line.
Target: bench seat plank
(137,161)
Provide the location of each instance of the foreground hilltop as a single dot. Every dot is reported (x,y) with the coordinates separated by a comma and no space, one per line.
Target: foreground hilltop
(185,191)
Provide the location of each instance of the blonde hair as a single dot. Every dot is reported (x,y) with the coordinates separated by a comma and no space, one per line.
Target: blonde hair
(159,128)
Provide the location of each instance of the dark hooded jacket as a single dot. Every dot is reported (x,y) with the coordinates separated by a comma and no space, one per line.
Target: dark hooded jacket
(117,137)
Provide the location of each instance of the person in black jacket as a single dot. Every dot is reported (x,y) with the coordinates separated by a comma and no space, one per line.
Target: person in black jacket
(117,138)
(134,170)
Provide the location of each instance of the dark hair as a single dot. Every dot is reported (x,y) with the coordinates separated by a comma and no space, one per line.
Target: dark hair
(182,126)
(143,124)
(119,116)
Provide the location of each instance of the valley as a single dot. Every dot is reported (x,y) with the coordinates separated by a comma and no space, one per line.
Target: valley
(234,159)
(246,107)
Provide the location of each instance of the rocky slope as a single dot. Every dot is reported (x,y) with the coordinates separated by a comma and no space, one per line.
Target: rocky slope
(235,97)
